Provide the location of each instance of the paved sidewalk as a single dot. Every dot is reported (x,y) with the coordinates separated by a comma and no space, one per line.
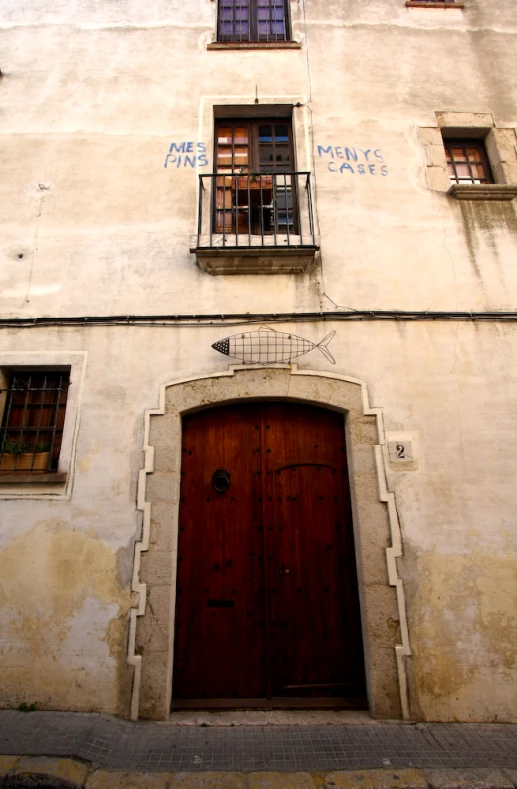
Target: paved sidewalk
(114,744)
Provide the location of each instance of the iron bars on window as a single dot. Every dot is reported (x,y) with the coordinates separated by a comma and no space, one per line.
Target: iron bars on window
(34,406)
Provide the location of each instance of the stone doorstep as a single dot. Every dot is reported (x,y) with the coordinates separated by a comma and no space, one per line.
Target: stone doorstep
(43,771)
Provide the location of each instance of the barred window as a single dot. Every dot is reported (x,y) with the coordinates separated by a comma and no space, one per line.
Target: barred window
(253,20)
(467,162)
(34,404)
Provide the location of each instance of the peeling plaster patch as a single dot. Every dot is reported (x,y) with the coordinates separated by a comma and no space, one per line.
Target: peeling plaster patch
(66,614)
(456,669)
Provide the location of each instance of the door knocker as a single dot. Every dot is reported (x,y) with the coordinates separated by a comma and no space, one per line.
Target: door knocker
(221,480)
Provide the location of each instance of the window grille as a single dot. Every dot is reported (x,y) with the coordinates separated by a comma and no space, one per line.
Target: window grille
(253,20)
(34,405)
(467,162)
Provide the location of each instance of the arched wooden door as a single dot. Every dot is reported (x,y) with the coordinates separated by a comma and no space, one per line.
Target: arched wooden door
(267,610)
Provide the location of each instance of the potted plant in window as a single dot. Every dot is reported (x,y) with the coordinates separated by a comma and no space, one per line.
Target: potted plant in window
(15,455)
(41,458)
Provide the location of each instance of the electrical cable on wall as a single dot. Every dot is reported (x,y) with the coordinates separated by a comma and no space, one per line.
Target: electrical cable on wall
(247,319)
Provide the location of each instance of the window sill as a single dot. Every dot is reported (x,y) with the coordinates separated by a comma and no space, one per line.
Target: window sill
(32,477)
(222,45)
(425,4)
(255,260)
(482,191)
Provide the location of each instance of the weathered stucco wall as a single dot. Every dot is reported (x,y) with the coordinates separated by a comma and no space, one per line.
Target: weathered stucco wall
(93,95)
(93,223)
(66,566)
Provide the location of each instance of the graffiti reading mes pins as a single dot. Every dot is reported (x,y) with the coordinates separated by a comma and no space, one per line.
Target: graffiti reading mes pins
(186,154)
(363,161)
(266,346)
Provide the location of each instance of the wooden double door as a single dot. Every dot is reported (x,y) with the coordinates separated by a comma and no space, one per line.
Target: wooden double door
(267,610)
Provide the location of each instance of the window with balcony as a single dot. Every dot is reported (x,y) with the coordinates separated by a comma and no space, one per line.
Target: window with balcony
(253,20)
(33,404)
(255,199)
(255,184)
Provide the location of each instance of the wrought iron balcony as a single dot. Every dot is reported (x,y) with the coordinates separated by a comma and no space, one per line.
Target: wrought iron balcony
(255,223)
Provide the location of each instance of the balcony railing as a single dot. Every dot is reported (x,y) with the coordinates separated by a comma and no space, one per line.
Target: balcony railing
(245,215)
(246,210)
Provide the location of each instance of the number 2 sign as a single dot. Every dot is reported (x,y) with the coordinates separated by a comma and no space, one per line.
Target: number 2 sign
(401,451)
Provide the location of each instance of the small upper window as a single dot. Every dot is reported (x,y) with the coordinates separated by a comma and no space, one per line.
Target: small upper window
(467,162)
(434,3)
(34,404)
(253,20)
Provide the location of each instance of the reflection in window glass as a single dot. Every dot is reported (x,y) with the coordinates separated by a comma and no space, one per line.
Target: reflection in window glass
(467,162)
(252,20)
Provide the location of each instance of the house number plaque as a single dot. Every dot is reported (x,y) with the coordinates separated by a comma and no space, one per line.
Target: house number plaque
(401,451)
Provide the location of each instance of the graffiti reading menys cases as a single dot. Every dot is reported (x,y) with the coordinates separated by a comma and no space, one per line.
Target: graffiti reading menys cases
(363,161)
(266,346)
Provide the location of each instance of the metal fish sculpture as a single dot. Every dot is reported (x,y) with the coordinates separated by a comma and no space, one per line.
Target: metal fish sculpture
(266,346)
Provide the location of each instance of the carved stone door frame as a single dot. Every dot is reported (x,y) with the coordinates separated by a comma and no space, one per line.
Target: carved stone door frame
(376,529)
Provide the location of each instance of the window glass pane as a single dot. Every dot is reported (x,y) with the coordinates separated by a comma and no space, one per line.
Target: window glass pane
(265,133)
(458,154)
(462,170)
(474,154)
(478,171)
(266,154)
(282,156)
(224,158)
(224,134)
(241,135)
(241,157)
(281,133)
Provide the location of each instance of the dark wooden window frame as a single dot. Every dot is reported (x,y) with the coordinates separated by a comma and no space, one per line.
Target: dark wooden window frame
(468,160)
(33,404)
(253,35)
(254,168)
(253,144)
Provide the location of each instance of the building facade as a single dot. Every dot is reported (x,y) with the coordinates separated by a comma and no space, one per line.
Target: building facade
(257,359)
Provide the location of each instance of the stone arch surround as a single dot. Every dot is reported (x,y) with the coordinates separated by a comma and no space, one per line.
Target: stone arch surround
(376,528)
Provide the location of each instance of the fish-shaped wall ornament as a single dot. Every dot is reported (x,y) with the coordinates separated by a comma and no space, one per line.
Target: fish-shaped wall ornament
(267,346)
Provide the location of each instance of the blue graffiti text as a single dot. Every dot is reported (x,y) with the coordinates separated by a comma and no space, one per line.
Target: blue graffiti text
(186,154)
(363,161)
